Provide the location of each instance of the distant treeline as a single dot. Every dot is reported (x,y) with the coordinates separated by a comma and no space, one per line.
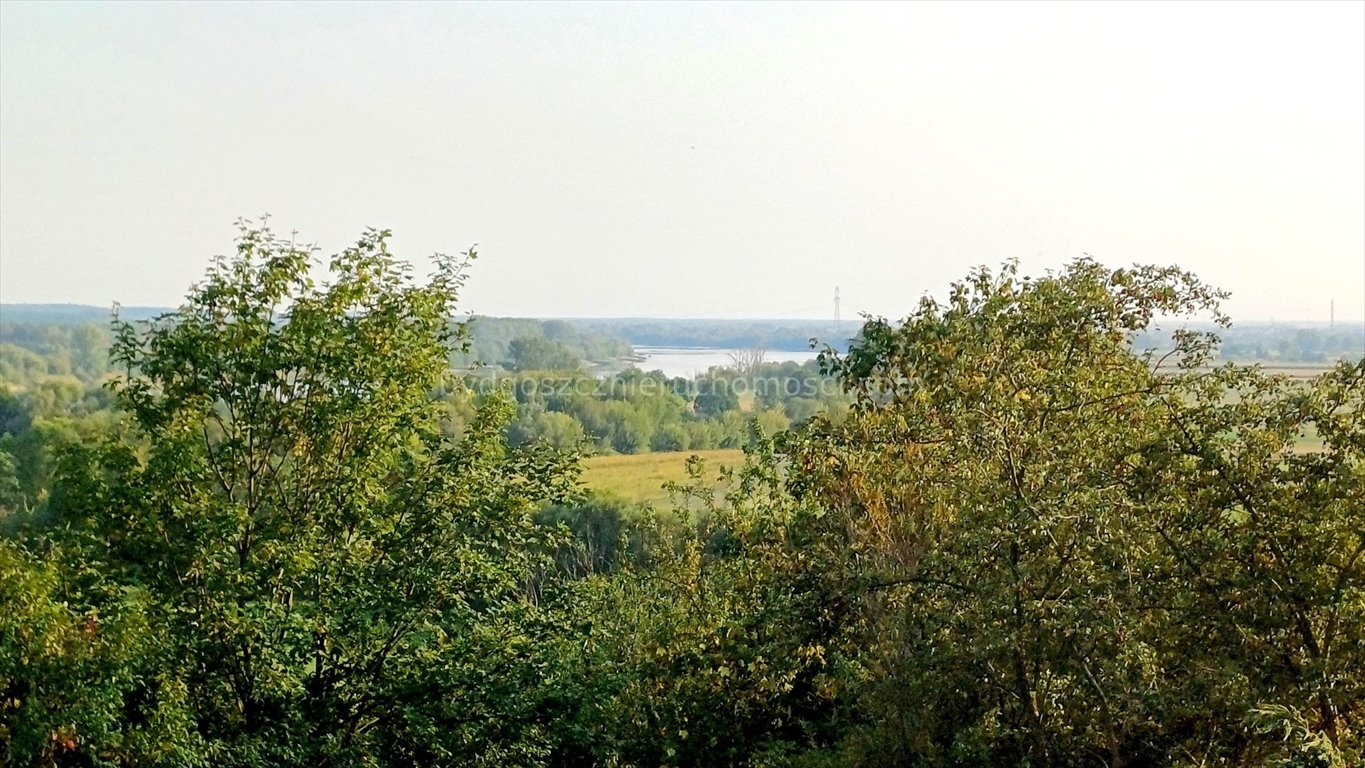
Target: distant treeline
(1275,342)
(784,335)
(40,341)
(57,340)
(71,314)
(527,344)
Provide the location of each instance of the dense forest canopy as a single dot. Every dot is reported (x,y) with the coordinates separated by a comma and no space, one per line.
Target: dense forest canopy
(293,529)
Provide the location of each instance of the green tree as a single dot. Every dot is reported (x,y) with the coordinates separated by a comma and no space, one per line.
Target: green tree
(724,643)
(81,682)
(557,430)
(335,580)
(716,395)
(1073,553)
(537,353)
(606,531)
(11,492)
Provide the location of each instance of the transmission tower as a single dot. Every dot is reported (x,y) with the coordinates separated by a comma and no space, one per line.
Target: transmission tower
(836,310)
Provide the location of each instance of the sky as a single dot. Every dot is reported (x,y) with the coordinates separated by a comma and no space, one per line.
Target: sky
(698,160)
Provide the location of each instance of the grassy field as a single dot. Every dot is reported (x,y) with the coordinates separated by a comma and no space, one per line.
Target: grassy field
(1303,371)
(640,477)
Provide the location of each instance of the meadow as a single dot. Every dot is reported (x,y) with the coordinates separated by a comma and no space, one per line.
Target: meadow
(641,477)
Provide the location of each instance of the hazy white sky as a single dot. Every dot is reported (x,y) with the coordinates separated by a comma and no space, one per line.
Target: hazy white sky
(691,160)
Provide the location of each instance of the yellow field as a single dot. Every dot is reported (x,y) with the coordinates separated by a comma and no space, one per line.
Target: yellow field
(640,477)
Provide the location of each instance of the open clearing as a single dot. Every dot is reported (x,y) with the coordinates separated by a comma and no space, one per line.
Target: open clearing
(640,477)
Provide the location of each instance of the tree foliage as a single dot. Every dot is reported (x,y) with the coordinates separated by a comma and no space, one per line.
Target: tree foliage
(332,580)
(1027,541)
(1079,554)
